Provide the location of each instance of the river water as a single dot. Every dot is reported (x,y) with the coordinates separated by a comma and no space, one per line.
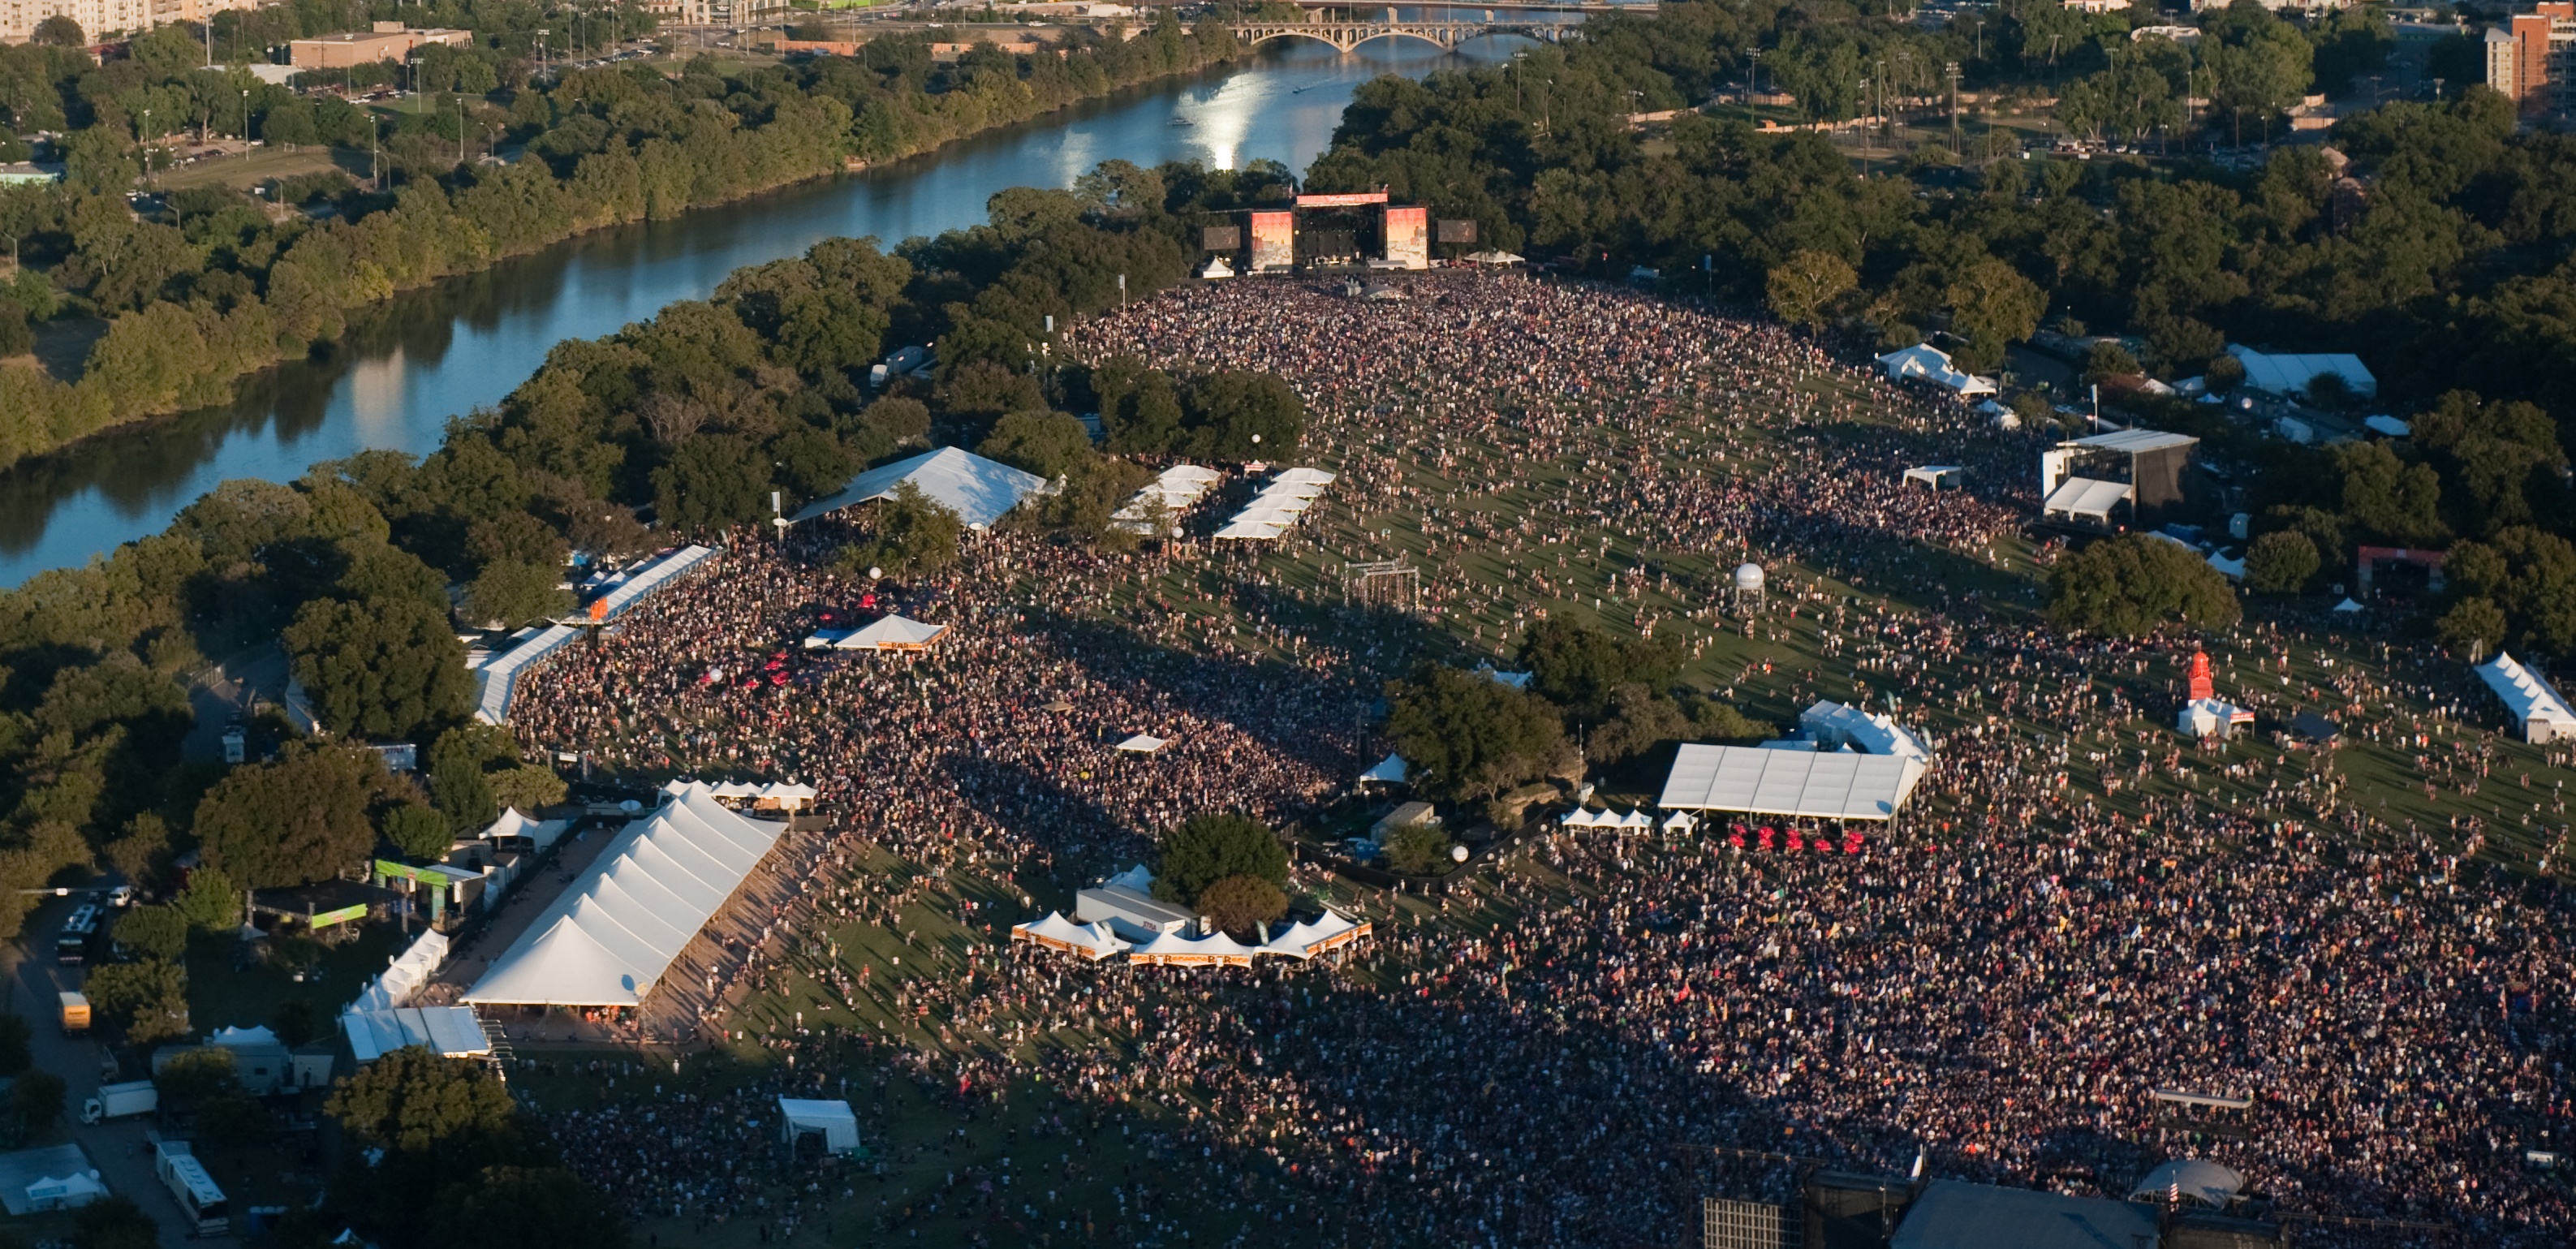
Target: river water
(406,367)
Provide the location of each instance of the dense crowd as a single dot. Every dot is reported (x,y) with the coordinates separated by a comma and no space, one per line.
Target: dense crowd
(1997,985)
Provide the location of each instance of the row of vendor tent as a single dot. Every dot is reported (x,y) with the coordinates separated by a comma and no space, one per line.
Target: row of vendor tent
(790,794)
(2530,699)
(496,675)
(1931,364)
(55,1177)
(448,1031)
(1278,506)
(1175,491)
(410,970)
(1584,817)
(892,633)
(607,939)
(1171,949)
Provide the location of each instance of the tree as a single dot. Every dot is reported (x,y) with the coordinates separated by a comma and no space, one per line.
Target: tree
(114,1221)
(1716,719)
(2473,624)
(419,1103)
(1469,736)
(209,903)
(914,534)
(153,931)
(2389,498)
(146,839)
(1992,306)
(1579,667)
(1238,904)
(457,779)
(547,1206)
(515,593)
(420,833)
(1049,444)
(302,818)
(59,31)
(529,789)
(1640,719)
(1238,416)
(1208,848)
(1418,849)
(2280,562)
(1804,288)
(379,669)
(145,1001)
(16,1051)
(711,482)
(36,1101)
(2135,584)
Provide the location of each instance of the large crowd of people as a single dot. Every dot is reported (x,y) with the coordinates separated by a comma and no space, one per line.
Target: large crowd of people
(2082,907)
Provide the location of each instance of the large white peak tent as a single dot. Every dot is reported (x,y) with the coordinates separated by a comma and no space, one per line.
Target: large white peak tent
(833,1121)
(893,633)
(1143,744)
(1305,476)
(410,970)
(1391,770)
(1250,531)
(1055,932)
(2295,373)
(69,1192)
(541,833)
(2212,1184)
(449,1031)
(977,489)
(2534,704)
(1174,950)
(2085,498)
(1836,786)
(607,940)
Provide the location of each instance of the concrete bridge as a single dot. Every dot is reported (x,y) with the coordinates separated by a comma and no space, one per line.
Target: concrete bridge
(1443,35)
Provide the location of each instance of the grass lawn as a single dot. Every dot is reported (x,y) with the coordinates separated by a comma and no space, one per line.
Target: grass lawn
(229,986)
(249,171)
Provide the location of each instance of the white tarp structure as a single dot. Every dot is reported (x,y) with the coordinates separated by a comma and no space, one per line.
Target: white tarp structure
(1835,786)
(512,824)
(1091,941)
(2293,374)
(494,677)
(607,940)
(1831,724)
(1143,744)
(2085,497)
(1304,941)
(1939,476)
(2212,1184)
(1175,491)
(1174,950)
(449,1031)
(833,1121)
(1680,822)
(977,489)
(410,970)
(1933,365)
(1391,770)
(69,1192)
(893,633)
(2530,699)
(647,579)
(1249,531)
(1277,507)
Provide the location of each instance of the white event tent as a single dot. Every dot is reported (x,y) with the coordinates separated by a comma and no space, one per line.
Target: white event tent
(409,971)
(2534,704)
(449,1031)
(1174,950)
(831,1120)
(1091,941)
(607,940)
(977,489)
(893,633)
(1836,785)
(1305,941)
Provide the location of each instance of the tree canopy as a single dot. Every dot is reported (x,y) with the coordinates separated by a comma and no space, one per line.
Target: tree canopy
(299,819)
(2134,585)
(1470,736)
(1211,847)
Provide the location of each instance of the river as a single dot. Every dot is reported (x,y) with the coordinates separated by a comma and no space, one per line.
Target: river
(406,367)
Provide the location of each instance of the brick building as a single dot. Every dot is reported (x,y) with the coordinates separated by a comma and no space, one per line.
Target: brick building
(389,41)
(2527,57)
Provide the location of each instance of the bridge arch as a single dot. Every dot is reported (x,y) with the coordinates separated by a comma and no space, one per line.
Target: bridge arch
(1345,36)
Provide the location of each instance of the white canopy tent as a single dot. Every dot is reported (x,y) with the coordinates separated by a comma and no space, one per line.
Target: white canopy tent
(1143,744)
(512,824)
(450,1031)
(1305,476)
(893,633)
(1304,941)
(1392,770)
(1091,941)
(496,676)
(1680,822)
(607,940)
(1832,786)
(1249,531)
(69,1192)
(651,577)
(832,1120)
(1174,950)
(2530,699)
(977,489)
(2294,373)
(2085,497)
(409,971)
(1933,365)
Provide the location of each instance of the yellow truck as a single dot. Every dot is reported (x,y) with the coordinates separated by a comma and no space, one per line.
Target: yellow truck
(75,1013)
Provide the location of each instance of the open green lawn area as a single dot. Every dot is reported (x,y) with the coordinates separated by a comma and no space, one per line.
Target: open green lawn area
(236,984)
(245,172)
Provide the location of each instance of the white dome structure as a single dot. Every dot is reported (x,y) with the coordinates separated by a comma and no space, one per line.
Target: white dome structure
(1748,577)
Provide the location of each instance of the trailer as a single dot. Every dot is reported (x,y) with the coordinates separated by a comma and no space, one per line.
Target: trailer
(75,1013)
(80,932)
(198,1197)
(116,1101)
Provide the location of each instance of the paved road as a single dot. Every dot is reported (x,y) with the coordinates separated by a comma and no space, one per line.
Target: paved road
(116,1148)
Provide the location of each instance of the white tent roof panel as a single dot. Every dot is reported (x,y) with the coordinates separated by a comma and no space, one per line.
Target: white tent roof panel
(2084,496)
(977,489)
(1835,786)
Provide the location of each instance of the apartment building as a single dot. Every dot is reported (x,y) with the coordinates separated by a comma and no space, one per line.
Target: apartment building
(100,19)
(2528,58)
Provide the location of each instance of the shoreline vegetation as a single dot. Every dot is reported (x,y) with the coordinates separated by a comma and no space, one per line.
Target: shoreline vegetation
(224,292)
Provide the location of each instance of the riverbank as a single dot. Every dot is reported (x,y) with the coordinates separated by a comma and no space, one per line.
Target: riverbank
(170,358)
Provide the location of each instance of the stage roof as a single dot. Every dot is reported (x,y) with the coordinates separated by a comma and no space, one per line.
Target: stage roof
(1834,786)
(2084,496)
(609,937)
(977,489)
(2132,441)
(1955,1215)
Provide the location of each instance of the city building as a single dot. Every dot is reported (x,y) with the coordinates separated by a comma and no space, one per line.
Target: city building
(389,41)
(100,19)
(2527,57)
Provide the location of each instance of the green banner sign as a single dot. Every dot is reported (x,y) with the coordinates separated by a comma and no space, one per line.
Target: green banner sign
(327,918)
(391,870)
